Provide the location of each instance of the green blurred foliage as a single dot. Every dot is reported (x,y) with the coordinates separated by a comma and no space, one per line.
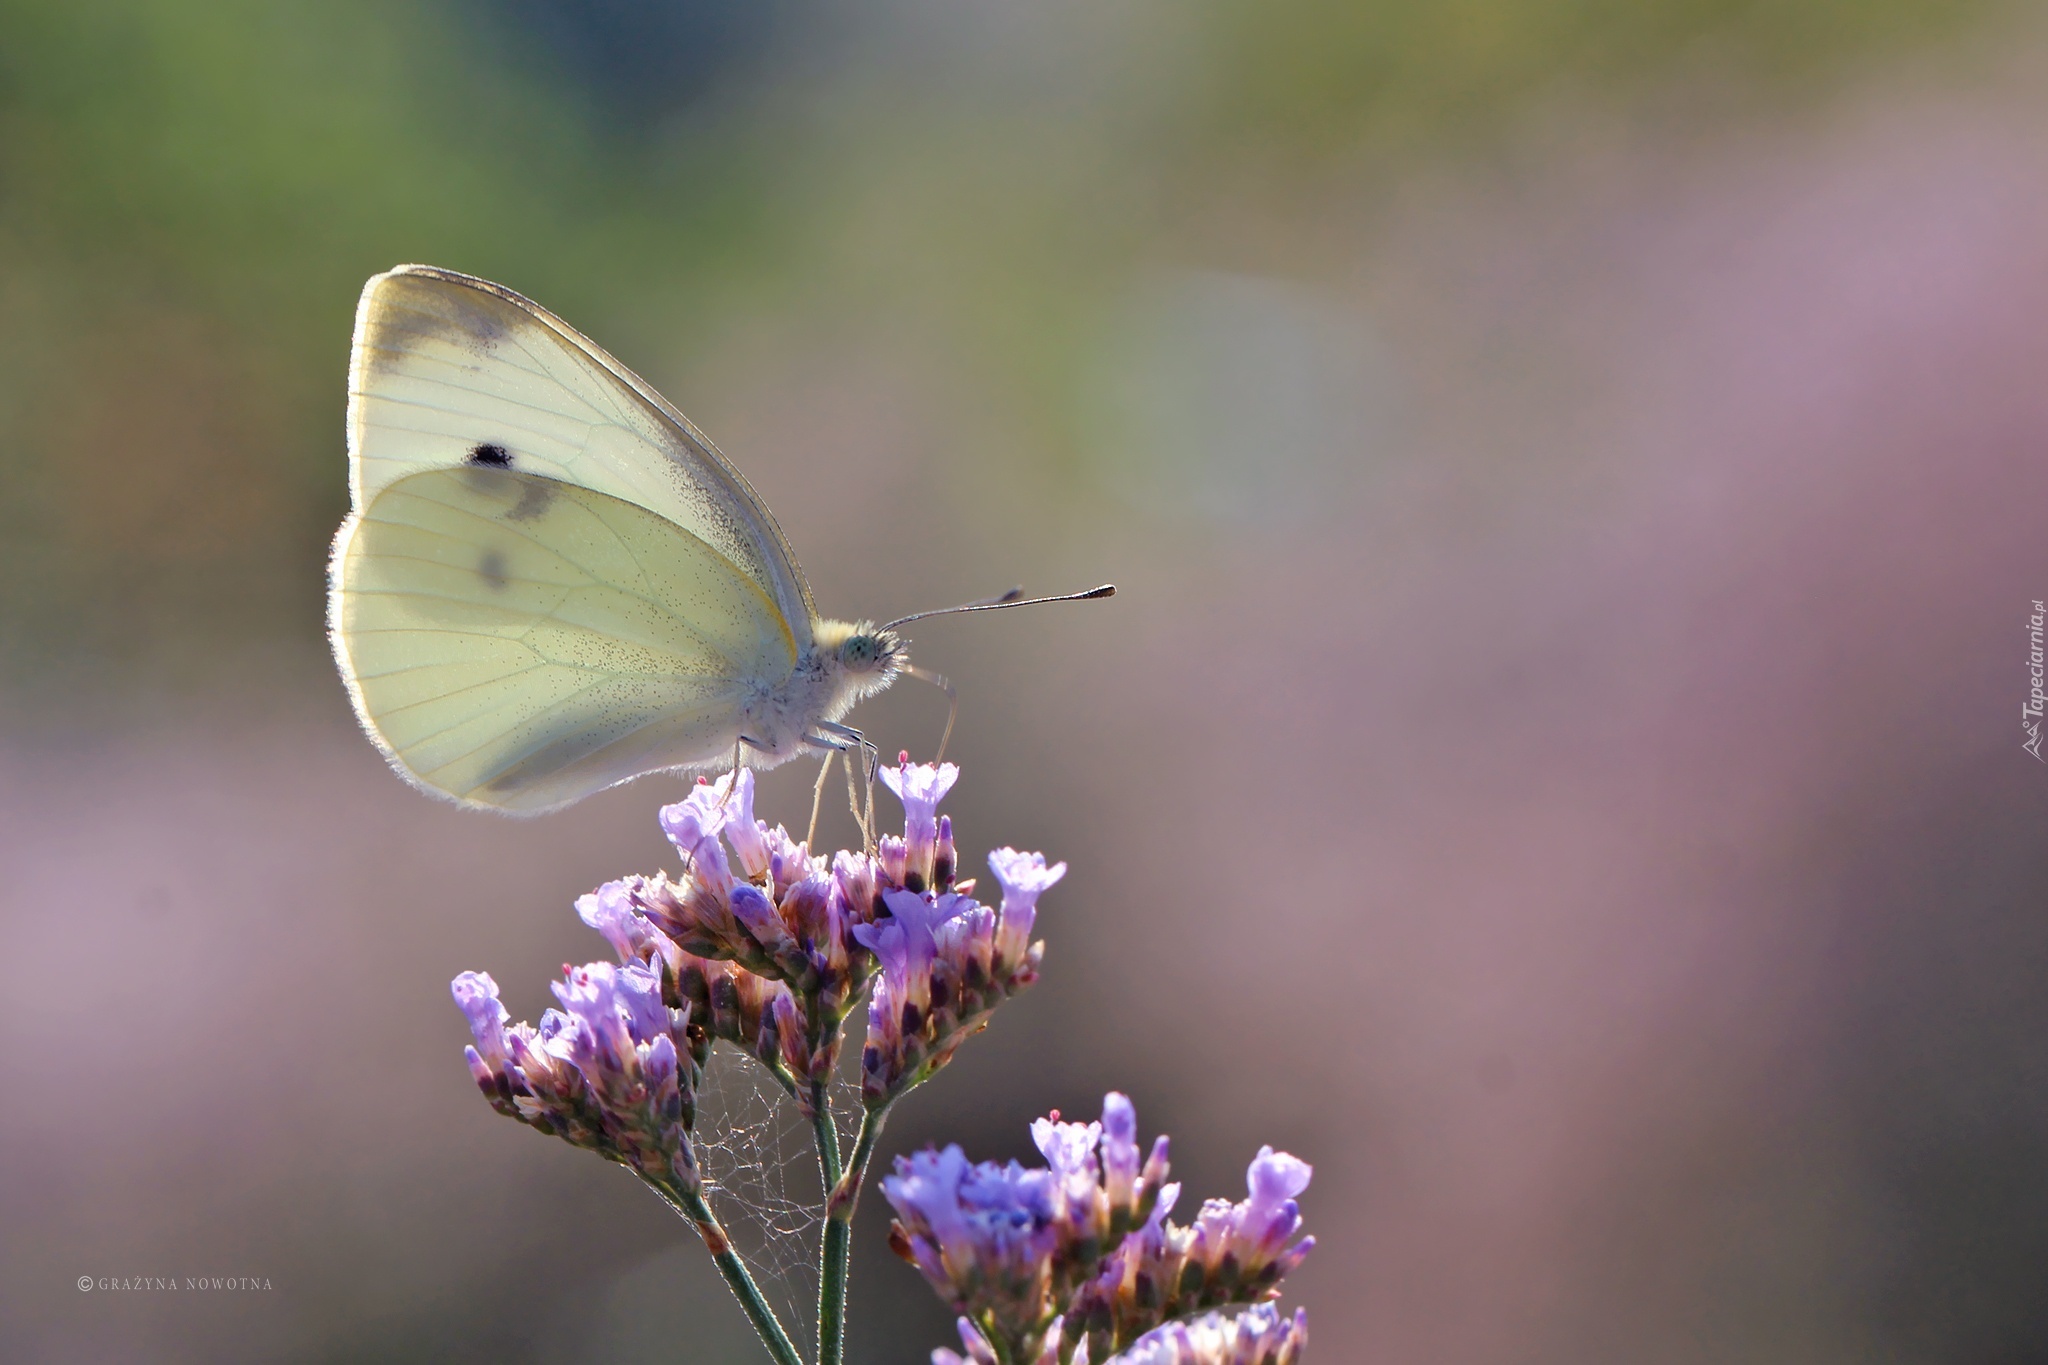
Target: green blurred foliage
(1337,74)
(191,195)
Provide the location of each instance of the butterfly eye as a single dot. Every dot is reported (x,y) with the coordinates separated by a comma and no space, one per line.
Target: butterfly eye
(861,652)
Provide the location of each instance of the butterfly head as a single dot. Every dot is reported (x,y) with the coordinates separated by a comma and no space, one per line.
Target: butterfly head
(868,657)
(868,650)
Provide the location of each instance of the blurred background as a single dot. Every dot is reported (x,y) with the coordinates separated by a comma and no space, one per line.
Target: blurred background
(1575,472)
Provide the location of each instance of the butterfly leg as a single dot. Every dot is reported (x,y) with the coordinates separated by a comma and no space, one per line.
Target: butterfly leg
(867,819)
(733,781)
(836,739)
(818,798)
(836,736)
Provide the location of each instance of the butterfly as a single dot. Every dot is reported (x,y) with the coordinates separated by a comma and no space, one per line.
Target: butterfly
(550,582)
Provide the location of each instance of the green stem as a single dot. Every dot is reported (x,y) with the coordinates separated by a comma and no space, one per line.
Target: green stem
(837,1249)
(826,1132)
(857,1165)
(691,1205)
(834,1243)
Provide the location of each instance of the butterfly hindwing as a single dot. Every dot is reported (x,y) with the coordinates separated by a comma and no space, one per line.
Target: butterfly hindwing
(518,641)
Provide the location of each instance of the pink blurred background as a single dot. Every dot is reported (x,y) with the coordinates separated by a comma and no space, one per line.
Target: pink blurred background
(1554,763)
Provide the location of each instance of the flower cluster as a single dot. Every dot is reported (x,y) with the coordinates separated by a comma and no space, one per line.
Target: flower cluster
(761,944)
(986,1236)
(1077,1259)
(1233,1253)
(946,961)
(1105,1190)
(757,944)
(608,1071)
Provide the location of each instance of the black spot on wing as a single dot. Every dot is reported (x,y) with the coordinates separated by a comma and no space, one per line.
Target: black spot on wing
(492,567)
(490,455)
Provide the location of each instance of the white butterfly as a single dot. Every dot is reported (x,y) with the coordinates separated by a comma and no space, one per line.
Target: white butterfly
(549,581)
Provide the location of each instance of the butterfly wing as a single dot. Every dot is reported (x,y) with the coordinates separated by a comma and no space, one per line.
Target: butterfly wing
(550,581)
(449,370)
(519,642)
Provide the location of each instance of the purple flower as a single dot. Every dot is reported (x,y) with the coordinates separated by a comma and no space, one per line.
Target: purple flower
(771,907)
(1118,1267)
(693,824)
(905,942)
(1250,1237)
(892,860)
(858,878)
(979,1352)
(945,857)
(748,836)
(604,1071)
(1257,1336)
(610,911)
(1275,1180)
(621,1029)
(920,787)
(793,1049)
(1024,877)
(788,861)
(620,1006)
(818,923)
(477,996)
(942,975)
(757,915)
(1139,1284)
(913,1027)
(984,1237)
(966,1221)
(1068,1148)
(694,915)
(727,1001)
(1120,1148)
(1103,1189)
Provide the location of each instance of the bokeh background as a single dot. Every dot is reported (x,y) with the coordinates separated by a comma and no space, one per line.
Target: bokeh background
(1576,471)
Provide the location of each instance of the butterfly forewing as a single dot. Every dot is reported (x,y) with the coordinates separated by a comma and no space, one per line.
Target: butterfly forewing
(449,370)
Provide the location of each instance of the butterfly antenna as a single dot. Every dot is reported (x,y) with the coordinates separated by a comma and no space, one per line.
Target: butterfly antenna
(944,684)
(1012,598)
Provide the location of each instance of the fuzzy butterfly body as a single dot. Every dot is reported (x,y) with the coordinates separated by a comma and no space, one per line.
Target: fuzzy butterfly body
(549,581)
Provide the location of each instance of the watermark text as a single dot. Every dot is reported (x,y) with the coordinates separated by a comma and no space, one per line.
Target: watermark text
(2037,696)
(181,1284)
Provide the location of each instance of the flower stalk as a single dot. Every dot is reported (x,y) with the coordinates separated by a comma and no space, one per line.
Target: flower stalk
(692,1206)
